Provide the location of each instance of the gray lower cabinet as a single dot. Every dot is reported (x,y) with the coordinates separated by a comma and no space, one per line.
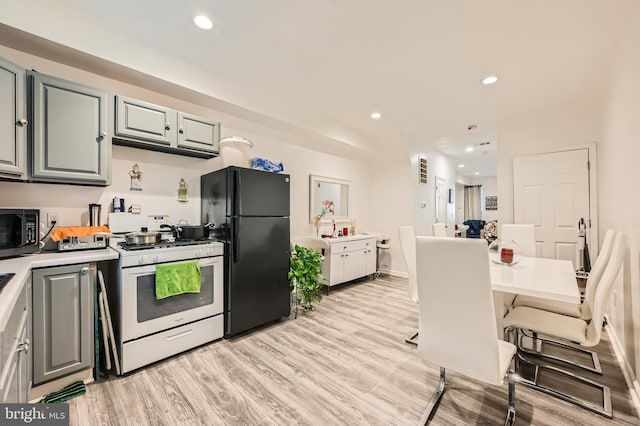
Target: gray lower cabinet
(13,121)
(145,125)
(69,142)
(62,321)
(15,358)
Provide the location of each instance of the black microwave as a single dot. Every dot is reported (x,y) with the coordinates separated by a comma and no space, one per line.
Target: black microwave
(19,232)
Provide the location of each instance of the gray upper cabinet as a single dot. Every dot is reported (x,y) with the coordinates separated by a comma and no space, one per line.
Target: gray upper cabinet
(197,133)
(142,120)
(69,132)
(13,121)
(62,321)
(145,125)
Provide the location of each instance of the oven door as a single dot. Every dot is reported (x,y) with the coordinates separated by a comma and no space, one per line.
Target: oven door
(142,314)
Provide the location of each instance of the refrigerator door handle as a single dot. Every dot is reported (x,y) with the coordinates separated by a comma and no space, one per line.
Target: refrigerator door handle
(236,193)
(235,239)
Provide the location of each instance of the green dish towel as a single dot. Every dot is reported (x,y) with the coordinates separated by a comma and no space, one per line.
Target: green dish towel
(177,278)
(65,394)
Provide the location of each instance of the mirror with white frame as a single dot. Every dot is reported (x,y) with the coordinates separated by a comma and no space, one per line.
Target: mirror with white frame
(323,189)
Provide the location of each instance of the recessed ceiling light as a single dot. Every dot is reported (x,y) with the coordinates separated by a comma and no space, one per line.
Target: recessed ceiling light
(460,166)
(469,149)
(490,79)
(203,22)
(476,173)
(376,115)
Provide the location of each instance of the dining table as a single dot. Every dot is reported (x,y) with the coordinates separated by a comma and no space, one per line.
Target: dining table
(552,279)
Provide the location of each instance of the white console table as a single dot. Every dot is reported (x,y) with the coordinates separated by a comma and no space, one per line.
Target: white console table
(349,258)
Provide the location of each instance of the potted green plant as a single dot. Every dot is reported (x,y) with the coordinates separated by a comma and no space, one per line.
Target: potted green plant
(305,273)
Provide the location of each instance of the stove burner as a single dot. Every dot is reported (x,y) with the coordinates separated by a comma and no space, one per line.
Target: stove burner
(162,244)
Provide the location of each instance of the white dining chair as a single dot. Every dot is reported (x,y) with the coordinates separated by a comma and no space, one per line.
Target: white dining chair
(582,310)
(408,246)
(457,318)
(577,330)
(577,310)
(439,229)
(522,234)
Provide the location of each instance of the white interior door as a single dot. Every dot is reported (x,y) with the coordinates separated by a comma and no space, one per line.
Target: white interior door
(551,191)
(441,202)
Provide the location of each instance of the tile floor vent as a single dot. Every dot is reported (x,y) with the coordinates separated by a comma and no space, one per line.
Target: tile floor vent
(422,170)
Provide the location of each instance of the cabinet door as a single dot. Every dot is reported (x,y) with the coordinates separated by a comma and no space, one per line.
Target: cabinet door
(354,266)
(68,124)
(142,120)
(13,120)
(370,257)
(336,268)
(62,321)
(197,133)
(14,383)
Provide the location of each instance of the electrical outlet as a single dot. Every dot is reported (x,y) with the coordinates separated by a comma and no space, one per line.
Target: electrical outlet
(52,217)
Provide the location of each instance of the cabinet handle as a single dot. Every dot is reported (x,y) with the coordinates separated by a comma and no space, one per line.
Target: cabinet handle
(84,270)
(181,130)
(167,126)
(23,346)
(22,122)
(103,133)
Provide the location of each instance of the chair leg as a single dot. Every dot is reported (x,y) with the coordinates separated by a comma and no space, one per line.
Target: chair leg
(532,382)
(412,339)
(544,340)
(435,399)
(511,411)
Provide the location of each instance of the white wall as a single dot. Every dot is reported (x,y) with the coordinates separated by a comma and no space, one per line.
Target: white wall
(618,176)
(162,172)
(399,199)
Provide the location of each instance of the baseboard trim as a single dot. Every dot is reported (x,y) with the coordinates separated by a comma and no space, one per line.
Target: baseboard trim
(627,372)
(398,274)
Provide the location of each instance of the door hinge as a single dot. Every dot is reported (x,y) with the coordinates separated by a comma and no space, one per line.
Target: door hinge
(588,165)
(589,223)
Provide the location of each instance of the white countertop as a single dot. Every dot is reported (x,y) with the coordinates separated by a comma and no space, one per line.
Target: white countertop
(350,238)
(21,267)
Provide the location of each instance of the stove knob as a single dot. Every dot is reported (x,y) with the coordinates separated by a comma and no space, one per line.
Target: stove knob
(198,253)
(156,258)
(141,260)
(210,252)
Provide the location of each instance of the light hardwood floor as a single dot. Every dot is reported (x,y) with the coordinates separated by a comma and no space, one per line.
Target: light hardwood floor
(344,364)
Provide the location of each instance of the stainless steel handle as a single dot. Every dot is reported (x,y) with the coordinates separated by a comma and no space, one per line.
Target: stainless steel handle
(179,335)
(23,122)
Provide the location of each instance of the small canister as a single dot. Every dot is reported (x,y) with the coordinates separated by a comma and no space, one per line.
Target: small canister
(118,205)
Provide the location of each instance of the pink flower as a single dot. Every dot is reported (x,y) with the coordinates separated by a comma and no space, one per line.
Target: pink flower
(328,206)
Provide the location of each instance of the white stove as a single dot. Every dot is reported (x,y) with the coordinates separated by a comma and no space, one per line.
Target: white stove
(165,252)
(150,329)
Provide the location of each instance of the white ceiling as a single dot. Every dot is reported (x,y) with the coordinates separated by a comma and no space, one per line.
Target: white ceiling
(325,65)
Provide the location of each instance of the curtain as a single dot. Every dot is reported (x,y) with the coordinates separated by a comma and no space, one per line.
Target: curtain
(473,202)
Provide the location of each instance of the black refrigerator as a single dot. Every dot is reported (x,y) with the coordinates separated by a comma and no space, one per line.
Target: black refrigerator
(250,212)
